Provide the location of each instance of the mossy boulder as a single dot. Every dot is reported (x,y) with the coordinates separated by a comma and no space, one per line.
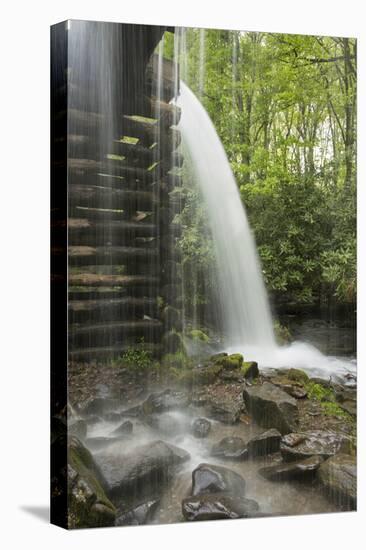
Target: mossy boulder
(204,375)
(89,505)
(218,356)
(231,362)
(199,336)
(249,370)
(297,375)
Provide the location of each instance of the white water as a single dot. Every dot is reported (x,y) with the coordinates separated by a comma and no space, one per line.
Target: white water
(247,319)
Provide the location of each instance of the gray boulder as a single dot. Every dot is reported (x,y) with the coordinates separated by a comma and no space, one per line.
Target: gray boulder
(145,470)
(271,407)
(208,478)
(227,412)
(138,515)
(201,427)
(301,445)
(265,443)
(338,475)
(300,469)
(165,401)
(231,448)
(89,505)
(218,506)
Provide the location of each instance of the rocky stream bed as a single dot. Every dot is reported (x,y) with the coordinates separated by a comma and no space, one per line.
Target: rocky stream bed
(222,440)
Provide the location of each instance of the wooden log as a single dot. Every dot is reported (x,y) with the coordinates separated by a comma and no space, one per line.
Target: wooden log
(79,97)
(107,293)
(94,196)
(110,352)
(109,214)
(111,233)
(90,255)
(117,168)
(91,123)
(111,309)
(112,333)
(94,279)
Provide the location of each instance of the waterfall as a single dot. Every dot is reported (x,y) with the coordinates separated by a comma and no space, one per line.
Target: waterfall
(247,318)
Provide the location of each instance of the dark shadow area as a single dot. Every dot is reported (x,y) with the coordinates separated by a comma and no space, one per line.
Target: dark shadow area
(40,512)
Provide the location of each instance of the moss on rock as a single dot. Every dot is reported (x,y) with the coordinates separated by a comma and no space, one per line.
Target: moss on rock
(297,375)
(233,361)
(199,335)
(89,505)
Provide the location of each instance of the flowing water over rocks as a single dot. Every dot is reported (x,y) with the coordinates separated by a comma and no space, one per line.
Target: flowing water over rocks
(176,460)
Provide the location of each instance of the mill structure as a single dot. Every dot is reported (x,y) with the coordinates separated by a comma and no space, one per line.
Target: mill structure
(115,175)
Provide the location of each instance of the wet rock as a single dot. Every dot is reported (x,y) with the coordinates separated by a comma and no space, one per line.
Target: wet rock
(78,428)
(299,469)
(218,506)
(338,475)
(201,427)
(227,412)
(99,406)
(232,448)
(250,370)
(271,407)
(301,445)
(139,515)
(296,391)
(349,407)
(344,394)
(125,428)
(208,478)
(164,401)
(201,375)
(230,362)
(231,376)
(89,505)
(145,470)
(265,443)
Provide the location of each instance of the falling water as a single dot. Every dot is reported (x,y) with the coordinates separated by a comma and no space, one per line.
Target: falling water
(247,318)
(243,295)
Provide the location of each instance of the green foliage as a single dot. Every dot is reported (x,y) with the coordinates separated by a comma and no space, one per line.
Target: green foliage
(285,109)
(199,335)
(327,399)
(319,392)
(134,359)
(333,409)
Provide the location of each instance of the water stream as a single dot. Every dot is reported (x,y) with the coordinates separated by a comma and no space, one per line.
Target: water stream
(247,320)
